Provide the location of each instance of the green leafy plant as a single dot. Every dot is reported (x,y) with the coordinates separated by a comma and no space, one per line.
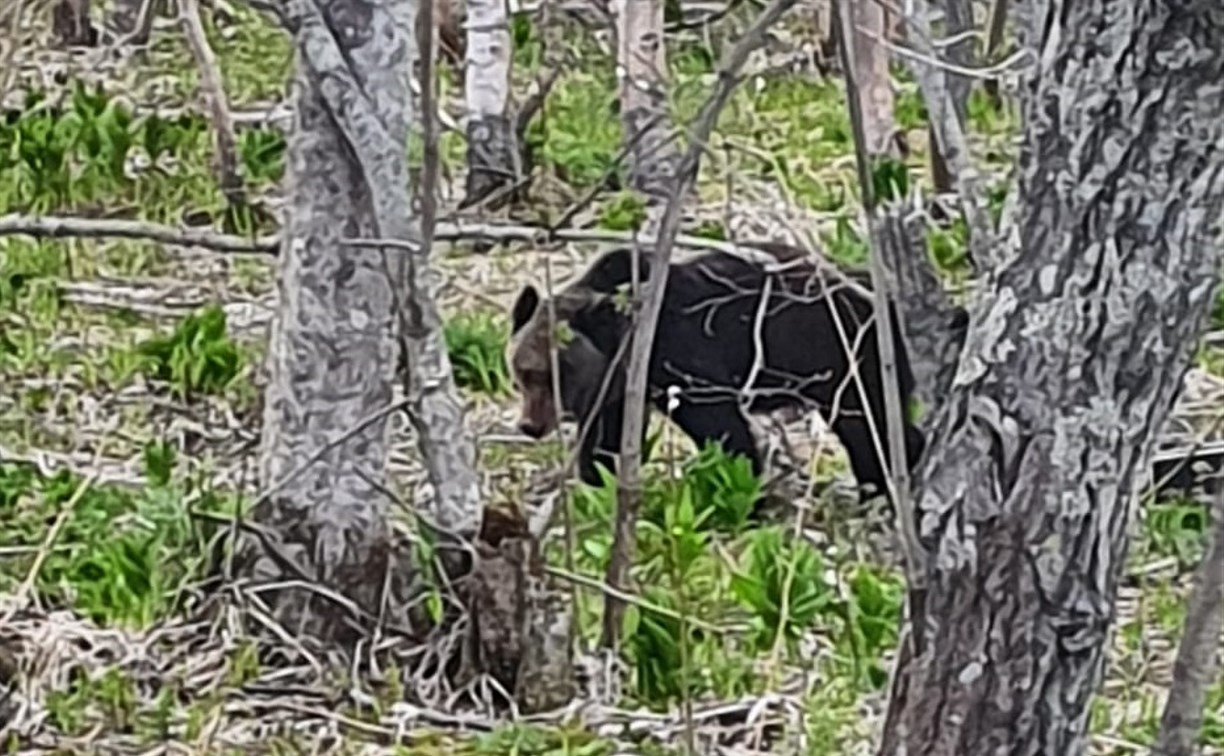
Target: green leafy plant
(778,605)
(198,357)
(476,343)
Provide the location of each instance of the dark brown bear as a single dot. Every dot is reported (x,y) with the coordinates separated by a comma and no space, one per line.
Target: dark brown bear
(705,350)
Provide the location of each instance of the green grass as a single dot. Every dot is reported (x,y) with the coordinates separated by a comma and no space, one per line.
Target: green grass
(156,389)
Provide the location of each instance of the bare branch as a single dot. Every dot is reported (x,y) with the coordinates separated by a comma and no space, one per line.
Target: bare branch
(950,135)
(643,337)
(60,227)
(225,141)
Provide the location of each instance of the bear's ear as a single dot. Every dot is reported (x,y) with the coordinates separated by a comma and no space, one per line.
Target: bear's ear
(524,307)
(602,323)
(615,269)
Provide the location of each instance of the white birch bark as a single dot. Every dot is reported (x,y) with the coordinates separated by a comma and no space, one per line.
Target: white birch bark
(492,154)
(641,68)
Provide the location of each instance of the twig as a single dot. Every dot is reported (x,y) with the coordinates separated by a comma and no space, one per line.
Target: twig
(629,491)
(951,140)
(27,585)
(214,98)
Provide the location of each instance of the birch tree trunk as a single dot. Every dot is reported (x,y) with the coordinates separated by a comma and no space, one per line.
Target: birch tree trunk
(1072,360)
(641,68)
(492,153)
(870,60)
(332,347)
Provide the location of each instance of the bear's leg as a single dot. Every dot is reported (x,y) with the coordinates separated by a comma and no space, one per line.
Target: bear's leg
(870,469)
(723,422)
(603,442)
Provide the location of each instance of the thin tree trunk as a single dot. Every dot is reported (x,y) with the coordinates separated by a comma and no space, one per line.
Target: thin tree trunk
(132,20)
(958,21)
(492,152)
(70,24)
(225,141)
(641,61)
(1197,665)
(1073,358)
(870,60)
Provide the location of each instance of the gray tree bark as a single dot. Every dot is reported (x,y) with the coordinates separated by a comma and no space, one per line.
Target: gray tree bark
(874,80)
(641,67)
(958,22)
(492,147)
(1072,360)
(332,346)
(1197,665)
(331,349)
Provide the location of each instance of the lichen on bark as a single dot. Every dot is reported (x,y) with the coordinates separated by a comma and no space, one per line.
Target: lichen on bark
(1072,359)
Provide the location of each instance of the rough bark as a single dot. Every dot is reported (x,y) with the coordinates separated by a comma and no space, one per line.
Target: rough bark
(1198,665)
(492,148)
(958,23)
(70,24)
(331,349)
(641,66)
(1071,363)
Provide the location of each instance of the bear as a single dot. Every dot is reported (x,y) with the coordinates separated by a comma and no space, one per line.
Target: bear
(705,350)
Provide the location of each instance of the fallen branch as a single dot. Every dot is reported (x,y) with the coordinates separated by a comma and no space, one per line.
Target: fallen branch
(67,227)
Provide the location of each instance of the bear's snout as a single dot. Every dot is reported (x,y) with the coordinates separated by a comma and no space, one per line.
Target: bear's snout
(533,428)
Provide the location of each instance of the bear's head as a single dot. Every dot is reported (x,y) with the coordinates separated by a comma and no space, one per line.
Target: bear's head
(591,322)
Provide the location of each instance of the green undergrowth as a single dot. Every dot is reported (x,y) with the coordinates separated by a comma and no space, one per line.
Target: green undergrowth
(120,555)
(729,606)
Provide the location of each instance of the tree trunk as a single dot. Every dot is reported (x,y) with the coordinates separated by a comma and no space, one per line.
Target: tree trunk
(332,351)
(132,20)
(492,152)
(958,22)
(872,76)
(1197,665)
(70,24)
(1072,360)
(641,61)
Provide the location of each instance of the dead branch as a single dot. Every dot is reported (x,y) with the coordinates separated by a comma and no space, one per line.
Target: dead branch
(64,227)
(629,489)
(224,139)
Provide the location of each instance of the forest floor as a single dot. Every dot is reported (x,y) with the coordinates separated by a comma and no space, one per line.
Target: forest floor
(130,413)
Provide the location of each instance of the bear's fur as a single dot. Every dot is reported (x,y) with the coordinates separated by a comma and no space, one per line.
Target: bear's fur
(705,349)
